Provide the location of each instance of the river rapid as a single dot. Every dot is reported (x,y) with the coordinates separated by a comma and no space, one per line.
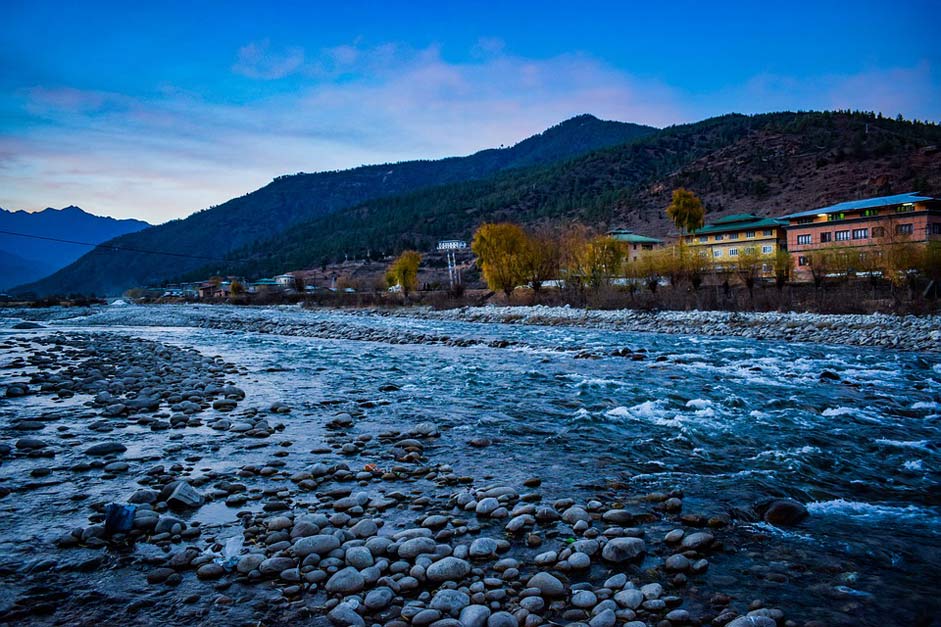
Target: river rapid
(723,423)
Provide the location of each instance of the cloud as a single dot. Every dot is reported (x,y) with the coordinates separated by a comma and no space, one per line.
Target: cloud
(258,60)
(173,152)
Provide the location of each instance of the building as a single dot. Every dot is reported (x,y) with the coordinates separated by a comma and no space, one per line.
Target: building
(637,245)
(286,281)
(862,225)
(725,239)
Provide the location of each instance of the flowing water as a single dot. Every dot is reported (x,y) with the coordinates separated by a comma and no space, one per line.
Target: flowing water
(730,422)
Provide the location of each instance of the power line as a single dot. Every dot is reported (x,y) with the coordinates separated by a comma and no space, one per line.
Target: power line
(112,248)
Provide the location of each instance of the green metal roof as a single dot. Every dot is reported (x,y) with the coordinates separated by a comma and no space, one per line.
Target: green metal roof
(739,222)
(623,235)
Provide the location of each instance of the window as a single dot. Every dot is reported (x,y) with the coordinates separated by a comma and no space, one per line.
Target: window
(717,253)
(766,250)
(842,236)
(767,233)
(750,250)
(703,239)
(733,235)
(804,239)
(749,234)
(719,238)
(826,237)
(733,252)
(935,229)
(860,233)
(878,231)
(870,212)
(833,217)
(802,261)
(905,208)
(903,229)
(806,220)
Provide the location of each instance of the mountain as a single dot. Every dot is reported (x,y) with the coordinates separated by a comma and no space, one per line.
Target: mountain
(770,164)
(289,200)
(28,258)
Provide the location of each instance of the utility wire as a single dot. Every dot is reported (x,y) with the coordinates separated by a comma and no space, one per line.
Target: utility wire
(111,248)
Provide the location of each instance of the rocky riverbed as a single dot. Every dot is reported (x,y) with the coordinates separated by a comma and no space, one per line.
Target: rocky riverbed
(224,466)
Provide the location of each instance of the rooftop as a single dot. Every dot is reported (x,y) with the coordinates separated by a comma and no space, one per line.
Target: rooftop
(739,222)
(624,235)
(868,203)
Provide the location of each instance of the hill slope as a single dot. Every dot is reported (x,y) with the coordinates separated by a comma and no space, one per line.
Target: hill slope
(29,259)
(769,164)
(289,200)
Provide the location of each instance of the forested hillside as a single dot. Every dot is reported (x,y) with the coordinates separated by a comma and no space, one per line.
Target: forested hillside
(767,164)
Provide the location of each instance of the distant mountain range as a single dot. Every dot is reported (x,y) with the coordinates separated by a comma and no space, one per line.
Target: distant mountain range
(605,174)
(27,259)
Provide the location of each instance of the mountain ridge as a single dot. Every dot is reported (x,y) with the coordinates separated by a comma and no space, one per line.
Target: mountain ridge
(291,199)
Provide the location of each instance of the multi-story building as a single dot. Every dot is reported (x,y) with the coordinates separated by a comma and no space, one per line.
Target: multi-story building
(723,240)
(865,225)
(637,245)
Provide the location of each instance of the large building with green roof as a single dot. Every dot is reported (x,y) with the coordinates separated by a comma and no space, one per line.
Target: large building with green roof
(724,239)
(637,245)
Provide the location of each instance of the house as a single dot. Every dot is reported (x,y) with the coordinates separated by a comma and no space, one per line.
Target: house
(637,245)
(286,281)
(265,286)
(723,240)
(862,225)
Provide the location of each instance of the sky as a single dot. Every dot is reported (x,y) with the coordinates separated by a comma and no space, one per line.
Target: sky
(154,110)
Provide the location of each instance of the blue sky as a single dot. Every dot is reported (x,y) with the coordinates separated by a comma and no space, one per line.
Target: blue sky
(157,110)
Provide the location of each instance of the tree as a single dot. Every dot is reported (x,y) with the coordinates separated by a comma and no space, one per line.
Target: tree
(820,263)
(748,266)
(782,264)
(501,252)
(686,210)
(236,288)
(404,271)
(542,256)
(601,260)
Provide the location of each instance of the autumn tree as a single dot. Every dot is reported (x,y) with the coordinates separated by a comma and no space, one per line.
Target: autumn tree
(404,271)
(501,252)
(748,266)
(542,256)
(686,211)
(601,260)
(781,263)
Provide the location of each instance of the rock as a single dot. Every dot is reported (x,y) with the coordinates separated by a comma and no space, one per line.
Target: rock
(248,563)
(548,585)
(584,599)
(785,513)
(344,615)
(630,598)
(210,571)
(346,581)
(604,618)
(518,523)
(28,325)
(448,569)
(410,549)
(275,565)
(450,602)
(184,496)
(678,616)
(619,517)
(698,541)
(574,514)
(30,444)
(752,621)
(359,557)
(502,619)
(105,448)
(169,524)
(475,616)
(320,544)
(483,547)
(379,598)
(677,563)
(487,506)
(623,549)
